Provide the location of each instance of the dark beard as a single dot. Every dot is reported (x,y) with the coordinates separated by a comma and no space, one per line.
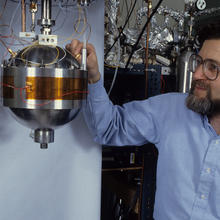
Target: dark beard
(203,106)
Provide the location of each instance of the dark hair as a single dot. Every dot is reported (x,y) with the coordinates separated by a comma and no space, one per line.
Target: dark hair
(209,31)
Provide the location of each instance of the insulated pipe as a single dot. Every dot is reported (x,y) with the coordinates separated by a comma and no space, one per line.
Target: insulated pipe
(23,16)
(183,73)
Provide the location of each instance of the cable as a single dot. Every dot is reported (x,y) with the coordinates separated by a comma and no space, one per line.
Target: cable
(35,63)
(52,100)
(64,11)
(144,28)
(121,29)
(3,43)
(116,70)
(86,25)
(2,12)
(64,15)
(77,23)
(12,35)
(14,13)
(64,51)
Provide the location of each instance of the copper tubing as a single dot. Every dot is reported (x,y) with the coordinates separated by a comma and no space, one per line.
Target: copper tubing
(147,48)
(23,16)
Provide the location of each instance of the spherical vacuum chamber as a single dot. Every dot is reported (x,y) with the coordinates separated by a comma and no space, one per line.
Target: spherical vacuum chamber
(44,88)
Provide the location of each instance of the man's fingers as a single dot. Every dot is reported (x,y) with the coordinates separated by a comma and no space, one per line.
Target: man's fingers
(75,48)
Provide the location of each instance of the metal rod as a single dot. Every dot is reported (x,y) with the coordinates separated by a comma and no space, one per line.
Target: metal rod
(46,9)
(23,16)
(147,48)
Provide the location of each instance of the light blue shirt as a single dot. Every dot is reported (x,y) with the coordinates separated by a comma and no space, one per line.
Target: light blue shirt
(188,169)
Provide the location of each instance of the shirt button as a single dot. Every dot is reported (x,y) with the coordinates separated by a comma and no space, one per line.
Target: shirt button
(202,196)
(208,170)
(217,142)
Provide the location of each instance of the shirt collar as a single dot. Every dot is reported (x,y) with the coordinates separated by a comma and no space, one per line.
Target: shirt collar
(208,126)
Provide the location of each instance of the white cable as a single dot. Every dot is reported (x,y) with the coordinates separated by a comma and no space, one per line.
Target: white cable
(88,26)
(116,70)
(13,15)
(63,56)
(10,25)
(64,10)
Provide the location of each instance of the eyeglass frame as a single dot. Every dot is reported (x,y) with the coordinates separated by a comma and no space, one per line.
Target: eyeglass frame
(203,62)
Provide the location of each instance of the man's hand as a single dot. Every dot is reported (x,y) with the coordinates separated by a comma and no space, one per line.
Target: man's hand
(75,48)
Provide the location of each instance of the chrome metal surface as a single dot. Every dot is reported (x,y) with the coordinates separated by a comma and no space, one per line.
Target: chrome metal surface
(23,72)
(46,9)
(45,56)
(40,118)
(46,21)
(39,104)
(44,136)
(183,74)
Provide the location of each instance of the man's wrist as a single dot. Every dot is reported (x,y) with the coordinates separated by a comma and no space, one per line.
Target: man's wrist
(94,79)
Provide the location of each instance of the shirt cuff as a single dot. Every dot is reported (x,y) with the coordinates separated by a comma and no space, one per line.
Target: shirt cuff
(97,90)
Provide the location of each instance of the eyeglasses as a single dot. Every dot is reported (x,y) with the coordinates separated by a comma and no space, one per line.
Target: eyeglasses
(210,67)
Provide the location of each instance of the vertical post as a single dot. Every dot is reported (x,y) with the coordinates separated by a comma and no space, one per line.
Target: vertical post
(147,48)
(45,20)
(23,16)
(46,9)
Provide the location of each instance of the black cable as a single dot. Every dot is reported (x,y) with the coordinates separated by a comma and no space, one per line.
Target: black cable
(122,29)
(144,28)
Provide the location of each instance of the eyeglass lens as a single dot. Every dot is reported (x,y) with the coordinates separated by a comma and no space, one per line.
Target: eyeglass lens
(210,68)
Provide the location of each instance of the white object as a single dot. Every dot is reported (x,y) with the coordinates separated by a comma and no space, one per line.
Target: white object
(31,35)
(189,1)
(50,40)
(201,4)
(165,70)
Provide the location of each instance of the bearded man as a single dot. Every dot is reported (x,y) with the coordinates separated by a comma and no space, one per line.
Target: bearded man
(184,128)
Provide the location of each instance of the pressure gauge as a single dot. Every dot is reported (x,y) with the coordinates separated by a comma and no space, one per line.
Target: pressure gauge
(201,4)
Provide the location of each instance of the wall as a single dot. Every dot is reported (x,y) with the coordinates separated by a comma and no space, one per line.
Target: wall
(64,181)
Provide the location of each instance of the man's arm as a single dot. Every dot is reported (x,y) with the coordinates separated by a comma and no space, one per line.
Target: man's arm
(130,124)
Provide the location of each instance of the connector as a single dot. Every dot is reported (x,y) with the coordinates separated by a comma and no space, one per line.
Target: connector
(13,54)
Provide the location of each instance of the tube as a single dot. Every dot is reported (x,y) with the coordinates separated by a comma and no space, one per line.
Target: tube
(23,16)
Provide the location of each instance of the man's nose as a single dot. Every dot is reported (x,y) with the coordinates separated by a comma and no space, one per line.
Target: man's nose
(199,73)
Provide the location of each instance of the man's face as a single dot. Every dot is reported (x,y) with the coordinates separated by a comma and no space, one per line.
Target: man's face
(204,95)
